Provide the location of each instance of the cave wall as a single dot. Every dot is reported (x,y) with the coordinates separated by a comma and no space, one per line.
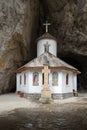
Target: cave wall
(21,23)
(17,26)
(69,24)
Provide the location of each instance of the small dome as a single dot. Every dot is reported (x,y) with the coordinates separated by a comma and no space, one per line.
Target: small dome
(46,36)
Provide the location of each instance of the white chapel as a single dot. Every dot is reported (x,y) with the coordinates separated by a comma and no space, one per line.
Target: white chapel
(62,78)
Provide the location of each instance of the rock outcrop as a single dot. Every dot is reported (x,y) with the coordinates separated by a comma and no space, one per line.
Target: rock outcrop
(17,25)
(20,24)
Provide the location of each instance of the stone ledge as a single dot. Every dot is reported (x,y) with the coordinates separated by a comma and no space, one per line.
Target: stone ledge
(62,96)
(33,96)
(37,96)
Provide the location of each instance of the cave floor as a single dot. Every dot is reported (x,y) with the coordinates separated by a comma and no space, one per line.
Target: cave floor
(9,102)
(22,114)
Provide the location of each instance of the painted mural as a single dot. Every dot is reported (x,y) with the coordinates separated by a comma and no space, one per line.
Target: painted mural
(35,79)
(55,79)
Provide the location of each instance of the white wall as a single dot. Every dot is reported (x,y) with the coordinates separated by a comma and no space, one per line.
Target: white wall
(35,89)
(29,88)
(22,87)
(61,88)
(56,89)
(67,88)
(52,47)
(75,82)
(18,87)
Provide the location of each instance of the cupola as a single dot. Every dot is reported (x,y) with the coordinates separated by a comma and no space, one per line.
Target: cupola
(46,38)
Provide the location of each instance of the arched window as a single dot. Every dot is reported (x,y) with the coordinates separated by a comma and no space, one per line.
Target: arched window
(24,79)
(20,79)
(67,79)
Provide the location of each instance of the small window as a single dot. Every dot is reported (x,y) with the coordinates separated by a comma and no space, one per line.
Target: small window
(24,79)
(67,79)
(20,79)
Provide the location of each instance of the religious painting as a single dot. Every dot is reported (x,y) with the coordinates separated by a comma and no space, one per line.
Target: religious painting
(35,79)
(55,79)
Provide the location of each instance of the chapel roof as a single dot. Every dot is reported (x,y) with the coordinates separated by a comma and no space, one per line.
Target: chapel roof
(46,35)
(52,61)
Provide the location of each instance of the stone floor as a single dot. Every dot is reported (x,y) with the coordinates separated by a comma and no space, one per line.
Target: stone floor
(10,102)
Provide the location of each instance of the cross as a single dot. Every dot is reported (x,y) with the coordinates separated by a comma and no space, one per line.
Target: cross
(46,47)
(46,24)
(46,72)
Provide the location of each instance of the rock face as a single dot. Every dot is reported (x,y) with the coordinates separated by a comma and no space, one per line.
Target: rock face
(15,38)
(20,24)
(69,23)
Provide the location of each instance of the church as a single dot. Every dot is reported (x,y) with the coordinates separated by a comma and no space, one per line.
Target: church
(61,79)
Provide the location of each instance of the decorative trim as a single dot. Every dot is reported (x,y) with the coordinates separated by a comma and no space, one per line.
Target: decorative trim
(40,68)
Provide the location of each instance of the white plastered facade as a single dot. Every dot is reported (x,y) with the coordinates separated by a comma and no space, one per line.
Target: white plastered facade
(52,46)
(61,88)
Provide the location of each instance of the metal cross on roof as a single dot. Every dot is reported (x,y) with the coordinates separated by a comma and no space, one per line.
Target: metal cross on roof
(46,24)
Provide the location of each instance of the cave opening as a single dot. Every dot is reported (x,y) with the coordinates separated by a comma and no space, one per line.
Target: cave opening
(80,63)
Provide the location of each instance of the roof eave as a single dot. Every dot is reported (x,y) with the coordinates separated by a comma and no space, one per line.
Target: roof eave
(44,36)
(50,67)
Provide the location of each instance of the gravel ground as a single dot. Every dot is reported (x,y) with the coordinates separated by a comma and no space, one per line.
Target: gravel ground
(9,102)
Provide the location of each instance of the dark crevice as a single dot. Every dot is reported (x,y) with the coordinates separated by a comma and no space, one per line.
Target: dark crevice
(79,62)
